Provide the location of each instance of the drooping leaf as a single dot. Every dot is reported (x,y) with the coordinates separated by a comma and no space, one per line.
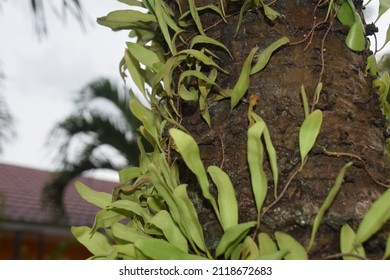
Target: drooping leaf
(233,235)
(347,236)
(195,16)
(132,207)
(189,150)
(255,161)
(162,21)
(242,84)
(127,19)
(158,249)
(265,56)
(295,250)
(248,4)
(127,234)
(202,58)
(328,202)
(106,218)
(100,199)
(134,68)
(189,219)
(377,215)
(172,233)
(145,56)
(96,243)
(387,39)
(227,201)
(384,6)
(308,133)
(202,39)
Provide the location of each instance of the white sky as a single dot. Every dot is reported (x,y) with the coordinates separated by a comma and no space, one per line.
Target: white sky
(43,76)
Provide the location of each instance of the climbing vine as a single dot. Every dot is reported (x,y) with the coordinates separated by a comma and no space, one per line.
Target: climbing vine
(172,59)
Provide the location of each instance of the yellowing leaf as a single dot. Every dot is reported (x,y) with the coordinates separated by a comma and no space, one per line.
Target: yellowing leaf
(308,133)
(374,219)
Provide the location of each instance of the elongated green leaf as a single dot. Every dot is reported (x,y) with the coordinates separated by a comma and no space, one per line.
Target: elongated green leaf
(304,101)
(255,162)
(387,40)
(127,19)
(100,199)
(198,75)
(233,235)
(106,218)
(384,5)
(172,233)
(135,71)
(195,16)
(347,236)
(374,219)
(127,251)
(265,56)
(271,153)
(266,245)
(202,39)
(145,56)
(328,202)
(161,18)
(308,133)
(356,39)
(127,234)
(188,94)
(386,255)
(189,150)
(294,248)
(157,249)
(371,66)
(243,82)
(189,219)
(248,4)
(131,206)
(227,202)
(97,243)
(202,58)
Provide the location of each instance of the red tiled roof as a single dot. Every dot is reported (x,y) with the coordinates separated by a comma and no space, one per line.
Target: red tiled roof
(21,197)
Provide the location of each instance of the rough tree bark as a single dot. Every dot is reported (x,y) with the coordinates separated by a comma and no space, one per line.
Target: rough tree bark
(352,124)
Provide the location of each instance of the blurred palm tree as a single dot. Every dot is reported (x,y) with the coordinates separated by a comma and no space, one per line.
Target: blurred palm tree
(99,134)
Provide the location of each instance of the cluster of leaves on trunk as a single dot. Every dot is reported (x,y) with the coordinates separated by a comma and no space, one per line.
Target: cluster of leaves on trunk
(150,215)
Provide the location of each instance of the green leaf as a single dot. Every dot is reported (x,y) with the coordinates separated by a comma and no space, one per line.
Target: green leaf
(132,207)
(249,251)
(145,56)
(248,4)
(97,243)
(127,234)
(135,71)
(227,202)
(372,65)
(308,133)
(386,255)
(270,151)
(266,245)
(127,19)
(265,56)
(374,219)
(172,233)
(242,84)
(346,14)
(387,40)
(157,249)
(356,39)
(106,218)
(278,255)
(162,21)
(100,199)
(195,16)
(189,216)
(384,6)
(328,202)
(347,236)
(294,248)
(255,160)
(126,175)
(202,39)
(134,3)
(270,13)
(304,101)
(202,58)
(233,235)
(189,151)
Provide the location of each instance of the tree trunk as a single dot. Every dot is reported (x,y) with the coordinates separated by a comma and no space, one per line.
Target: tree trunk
(352,125)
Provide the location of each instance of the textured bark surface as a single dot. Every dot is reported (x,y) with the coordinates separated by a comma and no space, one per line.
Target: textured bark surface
(352,124)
